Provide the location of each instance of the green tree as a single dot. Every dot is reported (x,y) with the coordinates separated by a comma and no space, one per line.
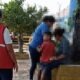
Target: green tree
(20,20)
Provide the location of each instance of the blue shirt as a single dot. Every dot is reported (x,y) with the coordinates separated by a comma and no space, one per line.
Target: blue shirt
(38,35)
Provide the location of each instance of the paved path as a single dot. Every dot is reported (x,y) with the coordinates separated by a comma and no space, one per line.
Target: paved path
(23,73)
(24,66)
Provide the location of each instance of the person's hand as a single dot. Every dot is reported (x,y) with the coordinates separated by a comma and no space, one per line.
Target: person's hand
(53,58)
(16,67)
(38,49)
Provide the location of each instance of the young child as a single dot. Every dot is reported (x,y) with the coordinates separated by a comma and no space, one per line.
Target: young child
(48,55)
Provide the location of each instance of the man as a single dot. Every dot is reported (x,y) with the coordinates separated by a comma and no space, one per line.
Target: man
(37,40)
(7,56)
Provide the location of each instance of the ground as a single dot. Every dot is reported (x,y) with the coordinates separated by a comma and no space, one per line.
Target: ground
(23,73)
(24,65)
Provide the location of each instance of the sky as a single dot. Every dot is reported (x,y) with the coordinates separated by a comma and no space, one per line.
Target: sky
(52,5)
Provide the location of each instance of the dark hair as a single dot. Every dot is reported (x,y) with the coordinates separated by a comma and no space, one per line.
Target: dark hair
(48,33)
(59,32)
(0,13)
(49,18)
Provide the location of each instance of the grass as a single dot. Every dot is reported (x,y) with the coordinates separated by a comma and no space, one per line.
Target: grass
(22,56)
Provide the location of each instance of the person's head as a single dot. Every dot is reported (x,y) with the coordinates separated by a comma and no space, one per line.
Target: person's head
(0,14)
(50,20)
(58,33)
(47,36)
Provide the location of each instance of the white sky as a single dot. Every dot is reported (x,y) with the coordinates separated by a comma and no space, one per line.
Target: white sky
(52,5)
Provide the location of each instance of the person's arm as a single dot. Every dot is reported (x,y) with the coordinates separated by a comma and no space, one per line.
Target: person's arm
(61,57)
(53,58)
(9,47)
(57,58)
(40,48)
(12,55)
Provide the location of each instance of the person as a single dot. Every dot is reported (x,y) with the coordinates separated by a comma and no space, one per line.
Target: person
(48,61)
(63,46)
(7,56)
(48,55)
(37,40)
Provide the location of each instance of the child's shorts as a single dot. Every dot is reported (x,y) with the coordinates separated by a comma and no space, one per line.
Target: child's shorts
(47,67)
(51,65)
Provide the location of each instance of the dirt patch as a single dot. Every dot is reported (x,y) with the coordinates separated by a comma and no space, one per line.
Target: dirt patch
(22,56)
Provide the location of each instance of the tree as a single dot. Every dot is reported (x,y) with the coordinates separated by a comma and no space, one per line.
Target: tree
(76,37)
(22,21)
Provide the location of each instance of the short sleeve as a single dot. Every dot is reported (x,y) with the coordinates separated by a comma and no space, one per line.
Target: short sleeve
(7,37)
(45,29)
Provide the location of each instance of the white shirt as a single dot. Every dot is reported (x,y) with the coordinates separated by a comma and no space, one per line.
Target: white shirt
(7,37)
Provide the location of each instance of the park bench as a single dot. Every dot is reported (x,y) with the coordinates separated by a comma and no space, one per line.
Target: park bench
(66,72)
(25,39)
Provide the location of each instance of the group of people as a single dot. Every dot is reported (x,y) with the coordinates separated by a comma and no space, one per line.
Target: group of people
(45,52)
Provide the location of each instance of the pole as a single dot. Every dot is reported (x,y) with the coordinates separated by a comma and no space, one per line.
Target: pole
(59,5)
(1,5)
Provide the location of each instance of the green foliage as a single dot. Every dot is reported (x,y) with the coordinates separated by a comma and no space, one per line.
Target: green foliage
(20,20)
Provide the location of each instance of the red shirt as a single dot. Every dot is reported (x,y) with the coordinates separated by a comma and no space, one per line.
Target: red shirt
(47,51)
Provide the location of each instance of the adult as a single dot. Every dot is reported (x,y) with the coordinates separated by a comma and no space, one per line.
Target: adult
(37,40)
(7,56)
(63,46)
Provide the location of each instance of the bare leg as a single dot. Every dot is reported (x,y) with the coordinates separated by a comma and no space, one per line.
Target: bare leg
(43,76)
(39,74)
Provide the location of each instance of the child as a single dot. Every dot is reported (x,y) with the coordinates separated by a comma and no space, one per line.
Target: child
(47,57)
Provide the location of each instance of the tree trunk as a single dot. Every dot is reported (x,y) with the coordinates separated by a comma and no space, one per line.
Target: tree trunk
(76,40)
(20,43)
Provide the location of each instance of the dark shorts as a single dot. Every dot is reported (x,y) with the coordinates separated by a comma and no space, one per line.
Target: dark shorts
(51,65)
(6,74)
(46,68)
